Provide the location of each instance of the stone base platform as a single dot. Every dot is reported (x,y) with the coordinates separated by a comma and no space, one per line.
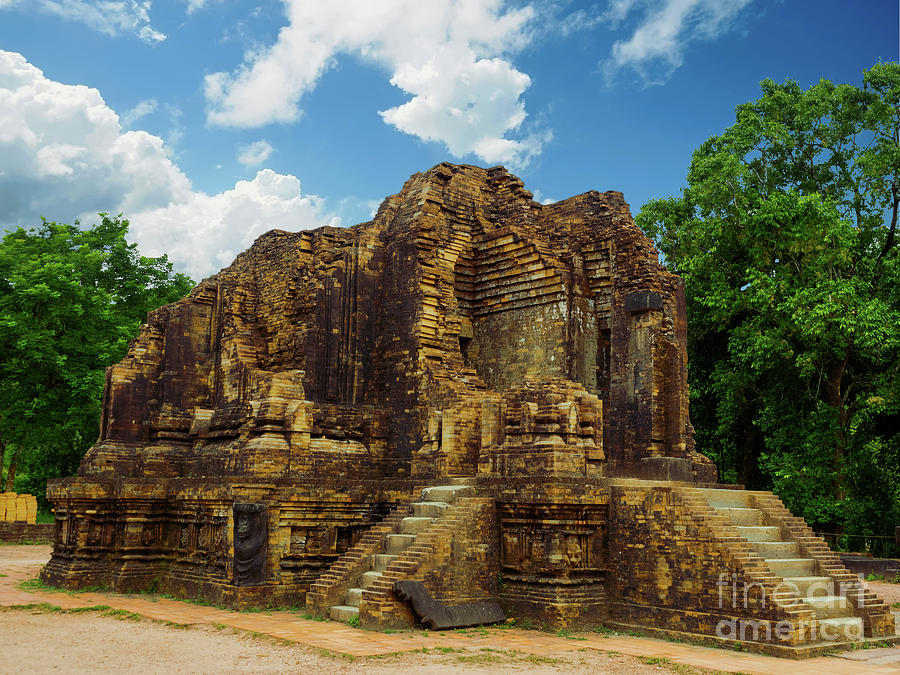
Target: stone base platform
(20,532)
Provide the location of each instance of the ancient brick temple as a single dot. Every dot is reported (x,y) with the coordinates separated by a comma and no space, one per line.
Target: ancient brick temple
(474,391)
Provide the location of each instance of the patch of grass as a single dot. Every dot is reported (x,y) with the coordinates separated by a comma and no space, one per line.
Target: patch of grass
(310,617)
(197,600)
(178,626)
(539,660)
(880,644)
(151,588)
(488,655)
(430,650)
(874,577)
(45,517)
(91,608)
(36,584)
(327,653)
(480,659)
(353,622)
(566,634)
(25,541)
(4,575)
(896,605)
(122,614)
(604,630)
(42,607)
(477,630)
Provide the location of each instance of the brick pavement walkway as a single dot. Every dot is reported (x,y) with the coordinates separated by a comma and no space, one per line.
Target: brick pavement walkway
(19,563)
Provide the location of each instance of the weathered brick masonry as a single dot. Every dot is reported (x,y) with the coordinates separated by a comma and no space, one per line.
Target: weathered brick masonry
(267,438)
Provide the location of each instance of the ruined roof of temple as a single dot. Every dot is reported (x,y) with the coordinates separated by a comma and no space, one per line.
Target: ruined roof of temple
(460,284)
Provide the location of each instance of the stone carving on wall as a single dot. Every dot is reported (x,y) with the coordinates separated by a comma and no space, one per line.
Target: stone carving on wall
(250,538)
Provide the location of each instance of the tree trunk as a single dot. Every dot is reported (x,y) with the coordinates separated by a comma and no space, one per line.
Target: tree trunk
(11,474)
(750,457)
(835,400)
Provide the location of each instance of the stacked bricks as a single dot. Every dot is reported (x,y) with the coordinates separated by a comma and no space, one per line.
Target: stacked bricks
(20,508)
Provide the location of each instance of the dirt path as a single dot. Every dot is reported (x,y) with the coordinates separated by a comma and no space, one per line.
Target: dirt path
(89,643)
(104,632)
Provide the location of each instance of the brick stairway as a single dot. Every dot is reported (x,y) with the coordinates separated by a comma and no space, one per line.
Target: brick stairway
(808,575)
(396,547)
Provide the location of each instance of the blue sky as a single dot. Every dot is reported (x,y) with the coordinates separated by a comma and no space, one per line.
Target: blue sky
(208,122)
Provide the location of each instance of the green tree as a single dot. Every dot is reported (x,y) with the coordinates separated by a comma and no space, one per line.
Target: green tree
(786,239)
(70,300)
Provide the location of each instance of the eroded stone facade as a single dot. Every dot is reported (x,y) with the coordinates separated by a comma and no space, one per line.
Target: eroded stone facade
(270,433)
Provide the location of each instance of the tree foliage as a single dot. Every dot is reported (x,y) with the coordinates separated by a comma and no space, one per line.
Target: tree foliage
(786,239)
(70,300)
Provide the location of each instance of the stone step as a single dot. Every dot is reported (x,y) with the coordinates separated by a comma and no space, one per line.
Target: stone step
(829,606)
(727,498)
(808,586)
(463,480)
(791,567)
(413,525)
(760,532)
(369,578)
(343,612)
(397,543)
(380,561)
(742,516)
(842,629)
(352,597)
(447,493)
(777,549)
(429,509)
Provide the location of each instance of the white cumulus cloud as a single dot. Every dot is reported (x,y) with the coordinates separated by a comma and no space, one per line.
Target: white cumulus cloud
(64,155)
(111,17)
(656,47)
(63,152)
(206,232)
(450,56)
(254,154)
(139,111)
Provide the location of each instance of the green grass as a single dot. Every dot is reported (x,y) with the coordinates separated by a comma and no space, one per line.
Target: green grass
(470,632)
(880,644)
(564,633)
(36,584)
(41,607)
(25,541)
(311,617)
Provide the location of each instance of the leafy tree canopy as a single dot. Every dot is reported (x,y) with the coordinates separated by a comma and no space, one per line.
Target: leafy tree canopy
(70,300)
(786,239)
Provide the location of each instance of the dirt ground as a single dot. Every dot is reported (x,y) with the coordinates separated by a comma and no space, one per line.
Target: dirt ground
(36,641)
(44,638)
(888,592)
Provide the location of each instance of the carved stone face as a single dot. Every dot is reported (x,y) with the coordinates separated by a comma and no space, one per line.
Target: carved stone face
(242,526)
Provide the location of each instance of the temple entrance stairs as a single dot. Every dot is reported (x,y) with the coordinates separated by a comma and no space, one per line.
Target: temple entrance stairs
(807,573)
(388,552)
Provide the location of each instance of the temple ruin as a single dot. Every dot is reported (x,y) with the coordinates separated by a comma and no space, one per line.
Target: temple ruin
(473,391)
